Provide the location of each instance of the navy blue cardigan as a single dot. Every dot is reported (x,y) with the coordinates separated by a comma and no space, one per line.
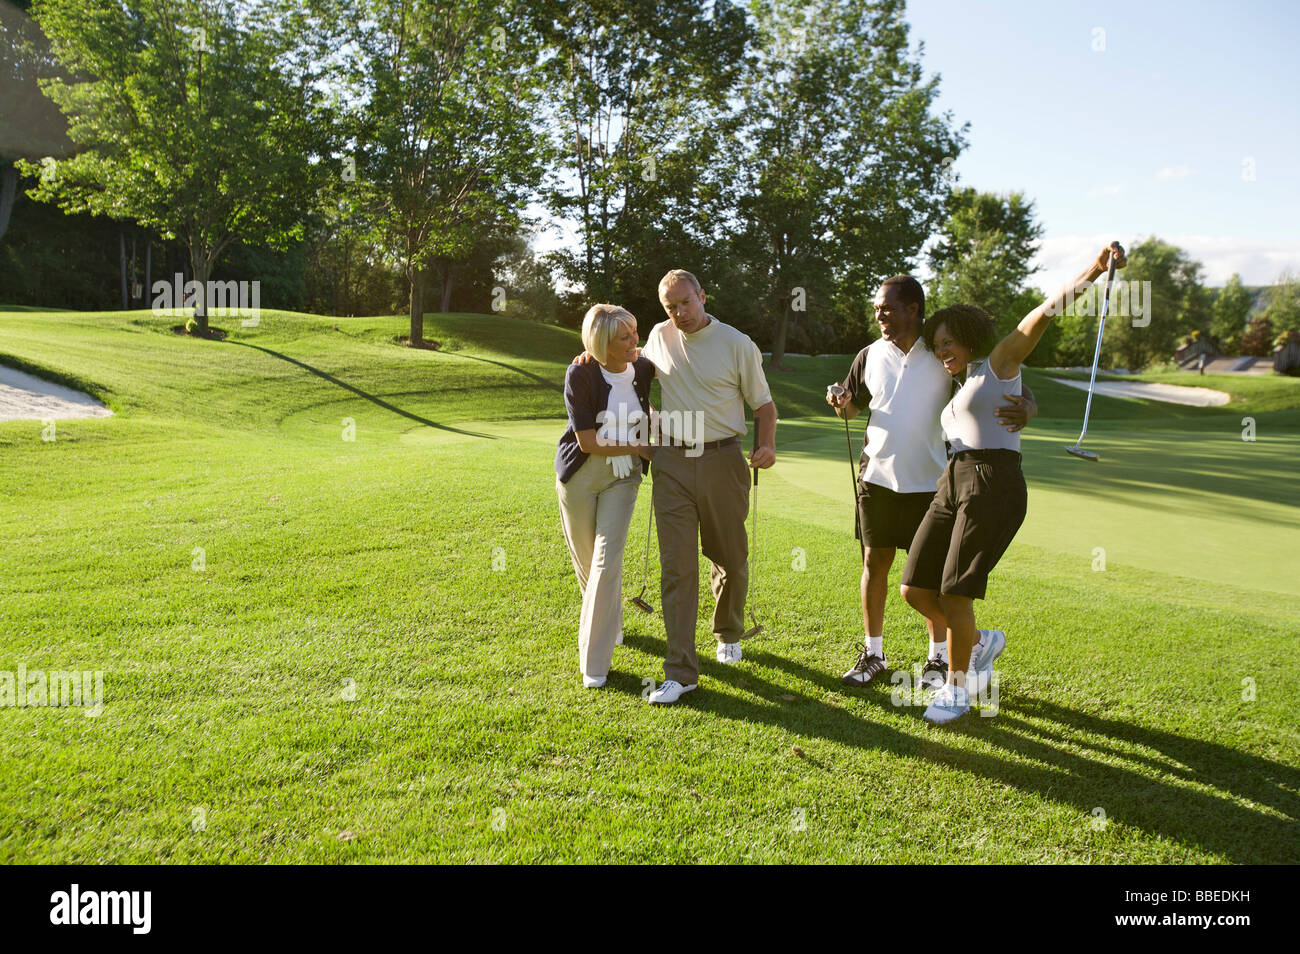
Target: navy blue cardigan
(586,394)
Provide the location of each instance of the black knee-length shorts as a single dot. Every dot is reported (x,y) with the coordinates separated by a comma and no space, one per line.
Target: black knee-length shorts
(979,506)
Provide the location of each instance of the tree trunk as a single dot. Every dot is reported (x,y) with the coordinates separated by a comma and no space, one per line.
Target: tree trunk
(446,288)
(8,191)
(135,299)
(148,267)
(417,309)
(121,246)
(778,341)
(199,263)
(782,323)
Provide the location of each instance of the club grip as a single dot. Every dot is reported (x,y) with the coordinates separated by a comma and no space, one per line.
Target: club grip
(753,451)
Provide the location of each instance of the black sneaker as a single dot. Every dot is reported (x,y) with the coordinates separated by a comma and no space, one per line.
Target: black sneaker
(935,672)
(867,668)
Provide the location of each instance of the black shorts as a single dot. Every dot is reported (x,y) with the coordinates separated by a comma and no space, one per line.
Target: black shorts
(887,518)
(977,511)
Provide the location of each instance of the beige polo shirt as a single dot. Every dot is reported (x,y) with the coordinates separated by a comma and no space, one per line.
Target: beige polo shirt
(706,373)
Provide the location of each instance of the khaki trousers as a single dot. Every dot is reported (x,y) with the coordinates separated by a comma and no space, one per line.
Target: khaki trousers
(704,499)
(595,511)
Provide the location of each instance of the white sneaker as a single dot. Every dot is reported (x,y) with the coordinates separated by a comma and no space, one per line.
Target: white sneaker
(949,703)
(729,653)
(988,648)
(592,682)
(982,657)
(670,692)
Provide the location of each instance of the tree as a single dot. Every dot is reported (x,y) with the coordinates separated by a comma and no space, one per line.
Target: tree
(197,118)
(31,127)
(842,173)
(1258,339)
(442,124)
(640,91)
(1174,304)
(984,256)
(1231,312)
(1284,303)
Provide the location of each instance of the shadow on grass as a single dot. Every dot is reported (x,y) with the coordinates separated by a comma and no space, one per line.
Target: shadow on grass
(509,367)
(325,375)
(1042,734)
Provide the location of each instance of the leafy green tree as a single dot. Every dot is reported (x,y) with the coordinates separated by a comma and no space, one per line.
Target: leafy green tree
(639,117)
(1174,306)
(1283,310)
(1231,312)
(197,118)
(843,162)
(1196,311)
(984,256)
(444,94)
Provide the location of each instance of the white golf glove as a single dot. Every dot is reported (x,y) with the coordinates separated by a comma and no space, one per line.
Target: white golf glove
(622,466)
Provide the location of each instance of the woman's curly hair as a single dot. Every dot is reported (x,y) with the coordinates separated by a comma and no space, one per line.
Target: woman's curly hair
(970,325)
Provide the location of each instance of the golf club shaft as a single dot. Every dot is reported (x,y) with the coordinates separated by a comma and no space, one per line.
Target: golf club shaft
(1096,355)
(853,473)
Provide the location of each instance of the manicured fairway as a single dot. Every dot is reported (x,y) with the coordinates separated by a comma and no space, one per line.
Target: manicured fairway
(377,661)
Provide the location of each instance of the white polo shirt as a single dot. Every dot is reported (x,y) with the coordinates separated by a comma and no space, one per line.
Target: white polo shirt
(904,448)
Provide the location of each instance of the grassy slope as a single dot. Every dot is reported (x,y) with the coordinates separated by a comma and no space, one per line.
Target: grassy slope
(370,563)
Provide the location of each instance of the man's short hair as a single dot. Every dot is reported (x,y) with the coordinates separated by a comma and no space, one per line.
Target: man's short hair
(910,292)
(600,324)
(680,274)
(970,325)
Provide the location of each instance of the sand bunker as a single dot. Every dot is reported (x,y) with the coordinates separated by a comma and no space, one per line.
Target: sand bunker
(25,397)
(1169,393)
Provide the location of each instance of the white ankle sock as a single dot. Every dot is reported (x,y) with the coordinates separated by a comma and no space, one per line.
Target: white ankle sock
(939,649)
(876,644)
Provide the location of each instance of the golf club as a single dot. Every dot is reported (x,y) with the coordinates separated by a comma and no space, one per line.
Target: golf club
(755,626)
(838,390)
(1076,450)
(639,601)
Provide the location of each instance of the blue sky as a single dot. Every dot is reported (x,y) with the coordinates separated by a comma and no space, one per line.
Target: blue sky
(1148,135)
(1177,119)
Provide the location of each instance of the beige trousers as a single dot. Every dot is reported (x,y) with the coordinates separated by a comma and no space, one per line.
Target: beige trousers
(595,511)
(701,504)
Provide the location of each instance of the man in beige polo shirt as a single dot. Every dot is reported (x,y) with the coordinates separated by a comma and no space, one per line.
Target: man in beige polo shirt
(706,370)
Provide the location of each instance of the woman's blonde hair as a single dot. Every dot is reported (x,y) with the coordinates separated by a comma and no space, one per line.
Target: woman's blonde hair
(600,325)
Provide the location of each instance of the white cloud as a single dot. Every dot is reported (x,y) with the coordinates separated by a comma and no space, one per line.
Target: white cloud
(1062,257)
(1103,191)
(1175,172)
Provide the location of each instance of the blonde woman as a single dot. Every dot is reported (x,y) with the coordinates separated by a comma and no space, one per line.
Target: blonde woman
(598,466)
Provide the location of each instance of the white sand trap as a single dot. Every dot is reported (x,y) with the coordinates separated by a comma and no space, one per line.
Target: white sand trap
(25,397)
(1169,393)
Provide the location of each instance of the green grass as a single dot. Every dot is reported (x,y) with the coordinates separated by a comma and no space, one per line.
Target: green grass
(365,568)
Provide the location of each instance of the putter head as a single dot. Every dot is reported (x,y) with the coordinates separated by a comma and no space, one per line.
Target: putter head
(642,605)
(753,630)
(1078,451)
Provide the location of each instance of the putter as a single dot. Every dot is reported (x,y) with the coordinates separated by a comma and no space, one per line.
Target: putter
(837,390)
(1076,450)
(755,627)
(639,601)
